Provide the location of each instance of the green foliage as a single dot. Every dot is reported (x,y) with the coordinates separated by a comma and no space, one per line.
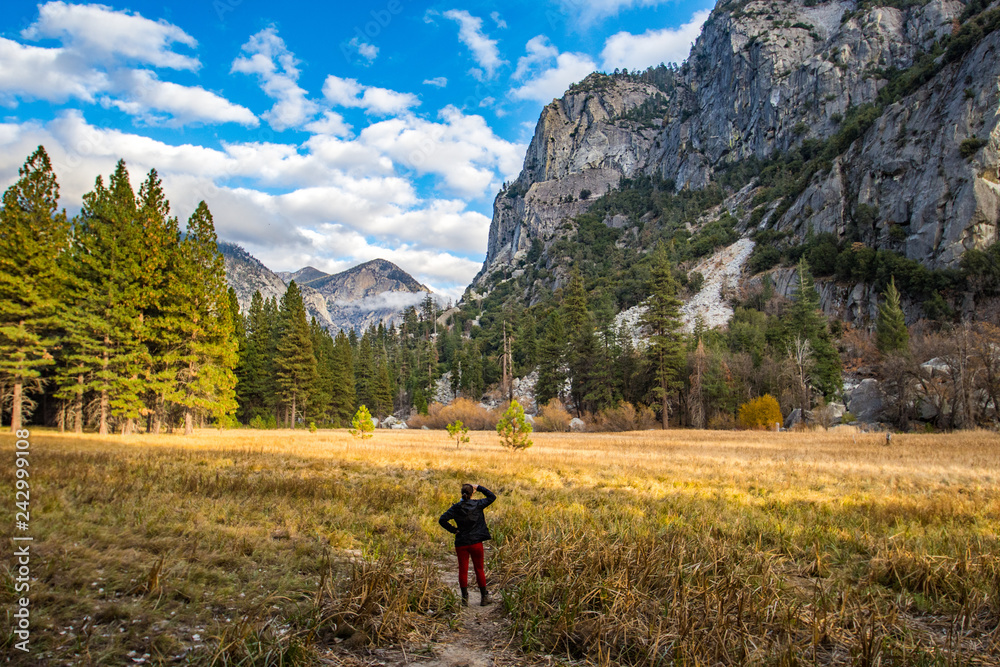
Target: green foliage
(760,413)
(513,428)
(458,431)
(891,334)
(363,426)
(665,353)
(33,236)
(295,362)
(971,146)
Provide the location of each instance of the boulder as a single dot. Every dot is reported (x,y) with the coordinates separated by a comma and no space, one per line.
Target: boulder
(865,401)
(389,421)
(577,425)
(794,417)
(399,425)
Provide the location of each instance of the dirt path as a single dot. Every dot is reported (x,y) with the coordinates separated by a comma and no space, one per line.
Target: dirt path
(481,637)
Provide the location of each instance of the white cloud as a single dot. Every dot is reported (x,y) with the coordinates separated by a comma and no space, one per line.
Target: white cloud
(498,20)
(652,47)
(588,12)
(437,82)
(461,149)
(98,32)
(143,92)
(331,123)
(367,51)
(54,75)
(275,66)
(380,101)
(543,80)
(470,32)
(79,69)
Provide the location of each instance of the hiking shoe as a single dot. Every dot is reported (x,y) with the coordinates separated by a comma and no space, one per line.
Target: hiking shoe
(486,599)
(465,597)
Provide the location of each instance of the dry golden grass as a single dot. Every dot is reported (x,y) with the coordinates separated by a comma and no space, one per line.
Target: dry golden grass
(681,547)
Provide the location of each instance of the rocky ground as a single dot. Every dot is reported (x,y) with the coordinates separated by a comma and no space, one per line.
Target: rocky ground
(722,273)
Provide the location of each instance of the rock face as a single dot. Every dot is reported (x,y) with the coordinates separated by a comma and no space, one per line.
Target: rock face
(354,299)
(865,401)
(762,78)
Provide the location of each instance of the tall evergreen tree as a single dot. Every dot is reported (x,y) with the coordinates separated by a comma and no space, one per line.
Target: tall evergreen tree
(343,399)
(33,236)
(295,363)
(665,353)
(383,389)
(253,371)
(203,323)
(364,369)
(102,314)
(160,238)
(891,334)
(551,377)
(321,395)
(806,320)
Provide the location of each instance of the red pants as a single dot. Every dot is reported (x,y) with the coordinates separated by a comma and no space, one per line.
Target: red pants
(476,551)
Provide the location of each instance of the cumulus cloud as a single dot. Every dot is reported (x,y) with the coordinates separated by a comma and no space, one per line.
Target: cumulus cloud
(437,82)
(267,57)
(331,123)
(100,32)
(379,101)
(545,73)
(143,92)
(366,50)
(498,20)
(51,74)
(624,49)
(470,32)
(95,71)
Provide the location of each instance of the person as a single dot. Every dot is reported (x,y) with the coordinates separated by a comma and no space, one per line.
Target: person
(470,533)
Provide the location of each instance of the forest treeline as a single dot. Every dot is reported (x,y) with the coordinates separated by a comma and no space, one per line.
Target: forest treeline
(117,320)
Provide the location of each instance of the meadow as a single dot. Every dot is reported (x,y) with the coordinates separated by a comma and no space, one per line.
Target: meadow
(646,548)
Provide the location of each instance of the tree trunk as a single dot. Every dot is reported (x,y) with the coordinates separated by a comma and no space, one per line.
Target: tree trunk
(665,410)
(78,408)
(158,415)
(15,407)
(293,412)
(188,421)
(103,427)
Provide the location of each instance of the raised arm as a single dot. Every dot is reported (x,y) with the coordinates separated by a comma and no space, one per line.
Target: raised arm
(490,496)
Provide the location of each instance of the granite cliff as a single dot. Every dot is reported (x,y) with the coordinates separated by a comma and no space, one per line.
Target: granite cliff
(883,114)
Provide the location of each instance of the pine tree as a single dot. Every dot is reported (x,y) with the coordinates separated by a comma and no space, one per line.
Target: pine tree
(33,236)
(526,345)
(160,239)
(551,378)
(295,363)
(383,389)
(102,314)
(891,334)
(253,371)
(807,321)
(665,352)
(343,400)
(364,369)
(696,400)
(321,394)
(203,323)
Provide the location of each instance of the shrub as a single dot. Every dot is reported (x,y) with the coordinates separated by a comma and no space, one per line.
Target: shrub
(263,422)
(513,428)
(624,417)
(363,425)
(312,427)
(459,431)
(760,413)
(722,421)
(971,146)
(553,417)
(471,414)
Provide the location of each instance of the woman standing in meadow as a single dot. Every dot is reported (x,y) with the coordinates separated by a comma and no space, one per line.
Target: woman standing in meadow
(469,537)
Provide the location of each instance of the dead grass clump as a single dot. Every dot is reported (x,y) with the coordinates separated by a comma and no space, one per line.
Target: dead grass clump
(624,417)
(553,417)
(472,414)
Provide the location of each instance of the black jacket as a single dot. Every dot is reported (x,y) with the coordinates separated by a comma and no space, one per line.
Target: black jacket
(468,514)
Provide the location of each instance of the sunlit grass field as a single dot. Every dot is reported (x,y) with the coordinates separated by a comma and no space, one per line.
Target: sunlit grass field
(649,548)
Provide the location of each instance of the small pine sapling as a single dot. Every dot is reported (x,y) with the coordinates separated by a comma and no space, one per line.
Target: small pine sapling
(513,428)
(363,425)
(459,431)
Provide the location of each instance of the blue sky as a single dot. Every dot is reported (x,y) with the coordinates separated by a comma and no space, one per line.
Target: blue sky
(324,136)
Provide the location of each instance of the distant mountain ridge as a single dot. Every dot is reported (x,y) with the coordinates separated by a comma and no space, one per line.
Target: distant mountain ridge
(374,291)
